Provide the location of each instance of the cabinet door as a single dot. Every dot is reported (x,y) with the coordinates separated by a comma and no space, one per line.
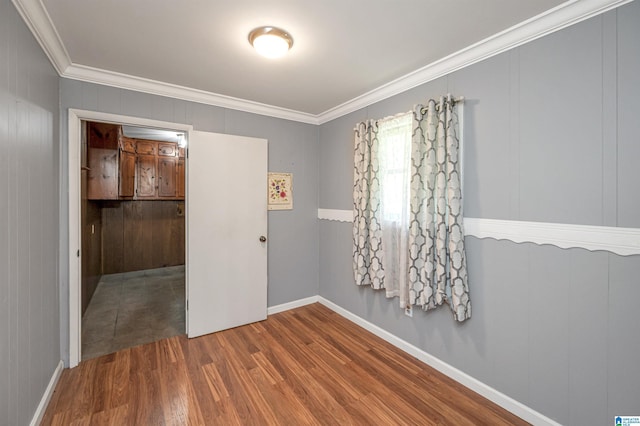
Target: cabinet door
(104,135)
(180,178)
(128,144)
(146,176)
(102,178)
(127,173)
(144,147)
(167,177)
(167,149)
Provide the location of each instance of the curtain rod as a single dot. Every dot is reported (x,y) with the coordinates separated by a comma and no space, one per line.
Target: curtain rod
(454,100)
(449,97)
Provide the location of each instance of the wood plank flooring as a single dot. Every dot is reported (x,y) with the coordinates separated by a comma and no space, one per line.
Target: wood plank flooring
(306,366)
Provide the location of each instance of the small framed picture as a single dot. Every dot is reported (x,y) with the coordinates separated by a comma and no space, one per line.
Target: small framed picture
(280,191)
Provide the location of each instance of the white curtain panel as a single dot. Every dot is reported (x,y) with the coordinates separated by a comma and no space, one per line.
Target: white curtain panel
(394,147)
(408,234)
(381,210)
(437,261)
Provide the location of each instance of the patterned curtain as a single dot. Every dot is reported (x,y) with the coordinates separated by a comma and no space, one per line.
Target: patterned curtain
(367,215)
(437,262)
(417,254)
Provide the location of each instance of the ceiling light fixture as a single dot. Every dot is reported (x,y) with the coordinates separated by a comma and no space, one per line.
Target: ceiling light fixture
(271,42)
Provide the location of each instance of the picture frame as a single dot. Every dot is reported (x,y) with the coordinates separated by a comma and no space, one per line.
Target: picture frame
(280,191)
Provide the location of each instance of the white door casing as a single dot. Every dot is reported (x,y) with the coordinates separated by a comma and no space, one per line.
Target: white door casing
(72,245)
(226,217)
(74,235)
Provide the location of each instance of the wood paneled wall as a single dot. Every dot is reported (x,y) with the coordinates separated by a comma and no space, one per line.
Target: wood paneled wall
(141,235)
(91,250)
(91,222)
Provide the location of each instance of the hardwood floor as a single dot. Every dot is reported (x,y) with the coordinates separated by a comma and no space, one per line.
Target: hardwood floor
(304,366)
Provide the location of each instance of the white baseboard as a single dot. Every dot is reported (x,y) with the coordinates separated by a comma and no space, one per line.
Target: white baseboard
(46,397)
(475,385)
(291,305)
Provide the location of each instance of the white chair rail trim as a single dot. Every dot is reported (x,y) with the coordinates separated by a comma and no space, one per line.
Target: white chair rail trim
(622,241)
(338,215)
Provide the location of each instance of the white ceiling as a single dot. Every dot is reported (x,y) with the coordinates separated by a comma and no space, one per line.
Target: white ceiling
(343,49)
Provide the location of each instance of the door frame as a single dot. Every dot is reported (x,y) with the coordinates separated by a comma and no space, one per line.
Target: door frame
(75,116)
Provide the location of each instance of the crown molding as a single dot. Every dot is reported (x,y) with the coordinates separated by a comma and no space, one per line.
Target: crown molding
(571,12)
(139,84)
(562,16)
(39,22)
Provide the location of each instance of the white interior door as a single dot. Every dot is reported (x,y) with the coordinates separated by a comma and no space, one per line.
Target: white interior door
(226,217)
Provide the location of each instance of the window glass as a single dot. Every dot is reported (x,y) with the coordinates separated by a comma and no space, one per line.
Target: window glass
(394,149)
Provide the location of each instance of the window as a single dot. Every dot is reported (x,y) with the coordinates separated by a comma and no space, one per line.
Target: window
(408,236)
(394,148)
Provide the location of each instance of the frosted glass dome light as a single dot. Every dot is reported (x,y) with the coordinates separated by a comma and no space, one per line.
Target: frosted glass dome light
(270,42)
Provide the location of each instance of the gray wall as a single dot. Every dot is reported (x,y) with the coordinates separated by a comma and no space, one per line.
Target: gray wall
(293,147)
(29,323)
(551,135)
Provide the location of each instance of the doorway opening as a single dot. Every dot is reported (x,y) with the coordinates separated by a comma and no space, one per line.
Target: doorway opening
(126,232)
(133,236)
(226,227)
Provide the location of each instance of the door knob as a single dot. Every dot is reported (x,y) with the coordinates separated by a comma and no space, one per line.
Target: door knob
(263,239)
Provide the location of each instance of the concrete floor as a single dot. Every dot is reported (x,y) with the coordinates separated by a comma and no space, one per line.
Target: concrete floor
(134,308)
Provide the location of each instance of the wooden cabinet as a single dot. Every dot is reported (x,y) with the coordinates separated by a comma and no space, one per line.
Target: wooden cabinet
(146,147)
(127,170)
(103,135)
(127,174)
(102,176)
(146,170)
(102,160)
(159,171)
(167,177)
(167,149)
(128,144)
(168,170)
(180,186)
(146,177)
(121,168)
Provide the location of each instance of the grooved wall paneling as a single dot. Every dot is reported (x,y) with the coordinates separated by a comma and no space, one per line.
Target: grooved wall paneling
(550,135)
(628,125)
(29,214)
